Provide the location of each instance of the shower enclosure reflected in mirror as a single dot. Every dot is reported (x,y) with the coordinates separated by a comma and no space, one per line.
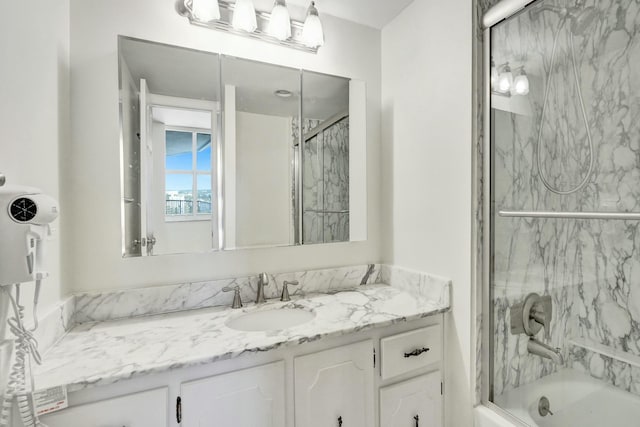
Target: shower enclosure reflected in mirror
(223,153)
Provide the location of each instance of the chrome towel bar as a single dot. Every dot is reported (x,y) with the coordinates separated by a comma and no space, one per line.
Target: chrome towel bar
(630,216)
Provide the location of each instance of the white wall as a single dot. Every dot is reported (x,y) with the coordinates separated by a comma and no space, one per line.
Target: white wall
(34,112)
(263,180)
(92,174)
(426,152)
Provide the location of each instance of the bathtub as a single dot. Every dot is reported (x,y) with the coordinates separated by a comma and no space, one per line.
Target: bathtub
(575,399)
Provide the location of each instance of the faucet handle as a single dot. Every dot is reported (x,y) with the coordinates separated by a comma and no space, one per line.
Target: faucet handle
(542,312)
(264,278)
(285,289)
(237,301)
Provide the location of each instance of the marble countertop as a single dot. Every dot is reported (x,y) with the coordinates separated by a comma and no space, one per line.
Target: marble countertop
(101,353)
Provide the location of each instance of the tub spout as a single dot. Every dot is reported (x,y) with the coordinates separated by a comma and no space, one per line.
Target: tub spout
(543,350)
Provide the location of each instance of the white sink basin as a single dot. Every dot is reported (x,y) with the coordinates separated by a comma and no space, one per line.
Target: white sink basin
(270,320)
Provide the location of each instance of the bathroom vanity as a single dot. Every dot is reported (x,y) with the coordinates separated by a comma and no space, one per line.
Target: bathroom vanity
(370,356)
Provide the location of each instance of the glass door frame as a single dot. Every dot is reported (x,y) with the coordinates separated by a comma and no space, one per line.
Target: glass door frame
(498,13)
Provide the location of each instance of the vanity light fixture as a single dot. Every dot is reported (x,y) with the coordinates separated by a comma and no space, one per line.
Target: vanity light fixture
(241,18)
(204,10)
(280,22)
(495,76)
(505,81)
(244,16)
(312,33)
(521,83)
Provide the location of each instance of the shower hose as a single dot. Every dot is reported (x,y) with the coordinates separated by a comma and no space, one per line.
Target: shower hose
(576,77)
(26,345)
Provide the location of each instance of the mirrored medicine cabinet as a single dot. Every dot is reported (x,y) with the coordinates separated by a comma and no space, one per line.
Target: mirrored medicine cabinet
(223,153)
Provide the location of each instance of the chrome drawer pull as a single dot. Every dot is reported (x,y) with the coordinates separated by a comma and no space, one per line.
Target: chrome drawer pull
(417,352)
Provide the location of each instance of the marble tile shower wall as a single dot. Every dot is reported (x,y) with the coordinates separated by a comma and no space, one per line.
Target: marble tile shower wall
(591,268)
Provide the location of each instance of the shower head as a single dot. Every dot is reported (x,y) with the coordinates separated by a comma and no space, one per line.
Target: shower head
(580,17)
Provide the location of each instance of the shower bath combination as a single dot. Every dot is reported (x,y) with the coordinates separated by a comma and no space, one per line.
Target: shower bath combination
(559,276)
(580,18)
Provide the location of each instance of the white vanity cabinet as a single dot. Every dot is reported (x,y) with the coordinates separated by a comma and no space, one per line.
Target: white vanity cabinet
(381,377)
(145,409)
(412,403)
(252,397)
(417,401)
(335,387)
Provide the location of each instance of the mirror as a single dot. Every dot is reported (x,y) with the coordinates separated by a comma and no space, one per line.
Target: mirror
(223,153)
(170,113)
(261,109)
(325,159)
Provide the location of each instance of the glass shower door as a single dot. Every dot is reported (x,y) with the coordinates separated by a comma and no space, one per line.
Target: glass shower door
(565,197)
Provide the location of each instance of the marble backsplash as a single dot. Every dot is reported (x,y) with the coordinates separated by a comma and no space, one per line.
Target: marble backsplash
(112,305)
(590,268)
(101,306)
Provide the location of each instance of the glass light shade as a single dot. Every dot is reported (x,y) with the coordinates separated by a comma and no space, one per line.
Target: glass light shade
(505,81)
(244,16)
(521,84)
(495,76)
(206,10)
(280,21)
(312,32)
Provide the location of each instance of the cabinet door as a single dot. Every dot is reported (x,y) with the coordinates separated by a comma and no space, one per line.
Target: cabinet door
(252,397)
(412,403)
(147,409)
(334,388)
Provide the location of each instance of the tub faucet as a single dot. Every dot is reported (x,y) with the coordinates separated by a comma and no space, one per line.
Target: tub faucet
(263,280)
(546,351)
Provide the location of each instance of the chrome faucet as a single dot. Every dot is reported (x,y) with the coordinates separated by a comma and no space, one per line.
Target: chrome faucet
(543,350)
(528,318)
(263,280)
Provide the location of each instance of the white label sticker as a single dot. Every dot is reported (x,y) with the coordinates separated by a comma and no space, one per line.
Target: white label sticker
(50,400)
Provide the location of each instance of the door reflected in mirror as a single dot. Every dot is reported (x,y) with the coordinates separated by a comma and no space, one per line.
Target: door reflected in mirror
(261,108)
(222,153)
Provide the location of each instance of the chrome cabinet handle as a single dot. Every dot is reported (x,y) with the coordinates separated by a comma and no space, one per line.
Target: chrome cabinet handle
(417,352)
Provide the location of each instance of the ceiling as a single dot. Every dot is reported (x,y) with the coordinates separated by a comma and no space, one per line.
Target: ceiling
(186,73)
(172,71)
(373,13)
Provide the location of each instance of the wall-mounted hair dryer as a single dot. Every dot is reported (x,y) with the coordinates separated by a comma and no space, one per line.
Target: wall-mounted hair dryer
(25,218)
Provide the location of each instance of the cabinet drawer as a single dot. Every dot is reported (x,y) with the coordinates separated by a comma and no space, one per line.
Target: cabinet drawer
(410,351)
(416,402)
